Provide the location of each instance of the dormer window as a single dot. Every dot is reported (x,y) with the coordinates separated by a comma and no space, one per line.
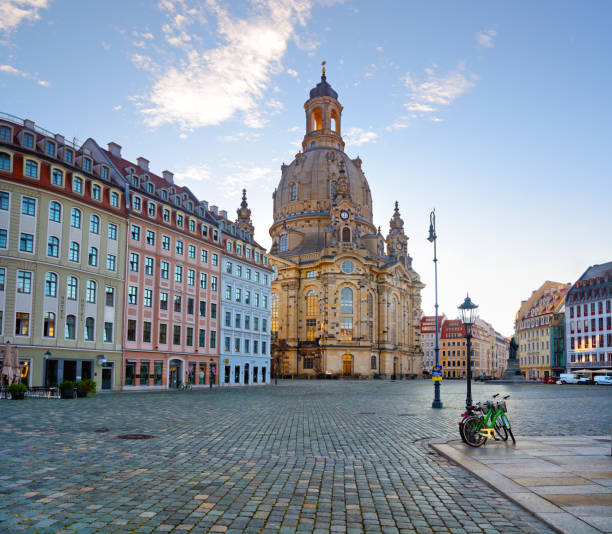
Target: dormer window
(136,203)
(201,211)
(135,181)
(179,220)
(6,133)
(166,215)
(151,209)
(96,192)
(114,199)
(50,148)
(104,172)
(28,140)
(177,200)
(190,206)
(215,235)
(164,195)
(228,244)
(192,225)
(68,154)
(77,185)
(150,188)
(87,164)
(205,230)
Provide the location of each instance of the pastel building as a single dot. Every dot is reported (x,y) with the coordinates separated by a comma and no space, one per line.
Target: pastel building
(245,302)
(172,279)
(62,242)
(428,339)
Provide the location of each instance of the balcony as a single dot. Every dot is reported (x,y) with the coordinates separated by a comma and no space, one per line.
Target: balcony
(587,365)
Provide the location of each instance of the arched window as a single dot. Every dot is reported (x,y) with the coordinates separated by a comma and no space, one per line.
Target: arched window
(94,224)
(89,329)
(274,314)
(51,285)
(72,288)
(283,243)
(293,191)
(335,123)
(332,188)
(49,324)
(93,256)
(75,218)
(55,212)
(316,118)
(346,300)
(91,291)
(53,247)
(57,177)
(5,162)
(70,327)
(311,303)
(346,234)
(373,362)
(31,168)
(74,252)
(370,305)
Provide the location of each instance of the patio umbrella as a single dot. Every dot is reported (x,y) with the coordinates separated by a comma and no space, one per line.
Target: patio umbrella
(10,364)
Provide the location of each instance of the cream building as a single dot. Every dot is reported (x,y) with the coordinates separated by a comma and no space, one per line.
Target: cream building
(345,300)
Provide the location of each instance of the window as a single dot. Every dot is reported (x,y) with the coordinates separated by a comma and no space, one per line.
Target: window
(114,199)
(166,212)
(247,322)
(148,298)
(191,251)
(202,308)
(55,212)
(53,247)
(176,335)
(28,140)
(247,252)
(228,244)
(31,169)
(238,270)
(165,242)
(112,231)
(228,319)
(22,324)
(150,238)
(131,330)
(256,302)
(3,238)
(109,296)
(346,234)
(163,301)
(94,224)
(293,191)
(135,232)
(57,177)
(96,192)
(77,185)
(28,206)
(238,294)
(151,208)
(248,273)
(255,346)
(26,243)
(346,328)
(72,285)
(93,256)
(212,338)
(70,332)
(213,283)
(108,332)
(68,156)
(111,262)
(137,203)
(74,252)
(90,293)
(214,260)
(311,303)
(203,280)
(255,323)
(178,273)
(87,164)
(104,173)
(75,218)
(89,329)
(164,269)
(237,344)
(228,267)
(213,310)
(146,336)
(227,343)
(247,346)
(346,300)
(202,338)
(189,337)
(274,314)
(179,219)
(163,333)
(132,295)
(177,303)
(283,243)
(179,247)
(49,324)
(191,277)
(247,297)
(203,252)
(5,133)
(190,305)
(264,325)
(134,262)
(347,267)
(264,301)
(149,262)
(228,292)
(4,201)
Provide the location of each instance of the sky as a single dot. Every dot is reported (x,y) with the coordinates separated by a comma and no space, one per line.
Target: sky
(496,114)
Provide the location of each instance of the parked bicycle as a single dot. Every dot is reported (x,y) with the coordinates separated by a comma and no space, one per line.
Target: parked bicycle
(486,420)
(184,387)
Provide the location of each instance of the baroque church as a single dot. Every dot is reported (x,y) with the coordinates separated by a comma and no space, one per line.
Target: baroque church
(345,300)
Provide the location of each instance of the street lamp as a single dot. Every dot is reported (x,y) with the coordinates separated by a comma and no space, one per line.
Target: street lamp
(468,315)
(276,365)
(437,403)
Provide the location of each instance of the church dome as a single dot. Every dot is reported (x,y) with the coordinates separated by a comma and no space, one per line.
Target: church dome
(323,89)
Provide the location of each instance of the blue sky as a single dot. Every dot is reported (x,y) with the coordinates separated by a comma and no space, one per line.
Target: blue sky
(496,114)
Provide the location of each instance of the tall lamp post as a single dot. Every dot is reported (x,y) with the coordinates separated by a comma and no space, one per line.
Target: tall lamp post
(437,403)
(276,365)
(468,314)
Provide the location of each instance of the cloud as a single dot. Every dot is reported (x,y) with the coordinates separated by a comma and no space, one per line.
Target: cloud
(239,136)
(485,38)
(9,69)
(118,107)
(379,48)
(144,62)
(292,72)
(371,71)
(105,45)
(14,12)
(202,87)
(358,136)
(195,173)
(435,91)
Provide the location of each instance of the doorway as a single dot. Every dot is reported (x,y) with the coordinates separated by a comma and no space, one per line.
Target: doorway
(175,373)
(246,373)
(347,365)
(107,377)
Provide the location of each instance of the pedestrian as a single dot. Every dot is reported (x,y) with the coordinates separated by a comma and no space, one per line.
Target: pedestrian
(211,376)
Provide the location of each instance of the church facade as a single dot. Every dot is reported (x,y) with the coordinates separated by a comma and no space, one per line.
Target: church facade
(345,300)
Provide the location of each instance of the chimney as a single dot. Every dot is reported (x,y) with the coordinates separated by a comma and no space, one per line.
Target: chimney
(204,204)
(223,214)
(27,123)
(59,139)
(168,176)
(214,210)
(114,149)
(143,163)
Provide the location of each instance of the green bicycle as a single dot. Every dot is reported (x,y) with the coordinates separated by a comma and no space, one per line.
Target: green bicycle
(492,422)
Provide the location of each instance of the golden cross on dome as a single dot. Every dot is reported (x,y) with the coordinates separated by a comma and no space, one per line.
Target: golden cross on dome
(323,67)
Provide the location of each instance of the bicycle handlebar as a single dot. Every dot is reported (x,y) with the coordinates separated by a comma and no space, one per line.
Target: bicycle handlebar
(496,395)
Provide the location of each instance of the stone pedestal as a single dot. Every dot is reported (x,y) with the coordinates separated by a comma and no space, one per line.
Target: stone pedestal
(512,374)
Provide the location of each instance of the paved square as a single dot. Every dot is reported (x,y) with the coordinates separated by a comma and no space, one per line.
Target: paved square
(307,456)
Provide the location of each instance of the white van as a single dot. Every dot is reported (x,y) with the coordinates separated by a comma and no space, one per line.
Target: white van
(573,378)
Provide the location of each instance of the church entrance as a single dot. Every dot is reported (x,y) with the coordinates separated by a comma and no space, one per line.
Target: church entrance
(347,365)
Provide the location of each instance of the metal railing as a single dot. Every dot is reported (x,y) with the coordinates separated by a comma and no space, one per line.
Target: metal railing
(75,143)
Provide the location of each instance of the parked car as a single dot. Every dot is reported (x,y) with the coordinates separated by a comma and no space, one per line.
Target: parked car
(573,378)
(551,379)
(603,380)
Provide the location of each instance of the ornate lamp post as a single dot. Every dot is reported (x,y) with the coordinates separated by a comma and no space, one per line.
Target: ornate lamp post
(468,315)
(437,403)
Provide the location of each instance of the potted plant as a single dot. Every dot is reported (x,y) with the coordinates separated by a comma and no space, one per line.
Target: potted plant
(67,389)
(85,386)
(17,391)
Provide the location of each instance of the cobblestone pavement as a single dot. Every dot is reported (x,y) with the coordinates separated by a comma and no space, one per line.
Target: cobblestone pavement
(306,456)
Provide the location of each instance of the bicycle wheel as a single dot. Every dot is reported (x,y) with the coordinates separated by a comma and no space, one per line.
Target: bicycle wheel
(471,426)
(511,435)
(500,430)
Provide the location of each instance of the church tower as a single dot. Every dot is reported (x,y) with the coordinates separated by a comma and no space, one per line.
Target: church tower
(244,221)
(341,304)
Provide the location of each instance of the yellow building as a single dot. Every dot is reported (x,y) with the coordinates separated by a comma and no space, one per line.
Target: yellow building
(343,303)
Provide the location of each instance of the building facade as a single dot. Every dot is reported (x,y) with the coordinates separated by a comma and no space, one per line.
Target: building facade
(453,349)
(501,355)
(345,300)
(588,321)
(428,340)
(534,329)
(62,242)
(245,302)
